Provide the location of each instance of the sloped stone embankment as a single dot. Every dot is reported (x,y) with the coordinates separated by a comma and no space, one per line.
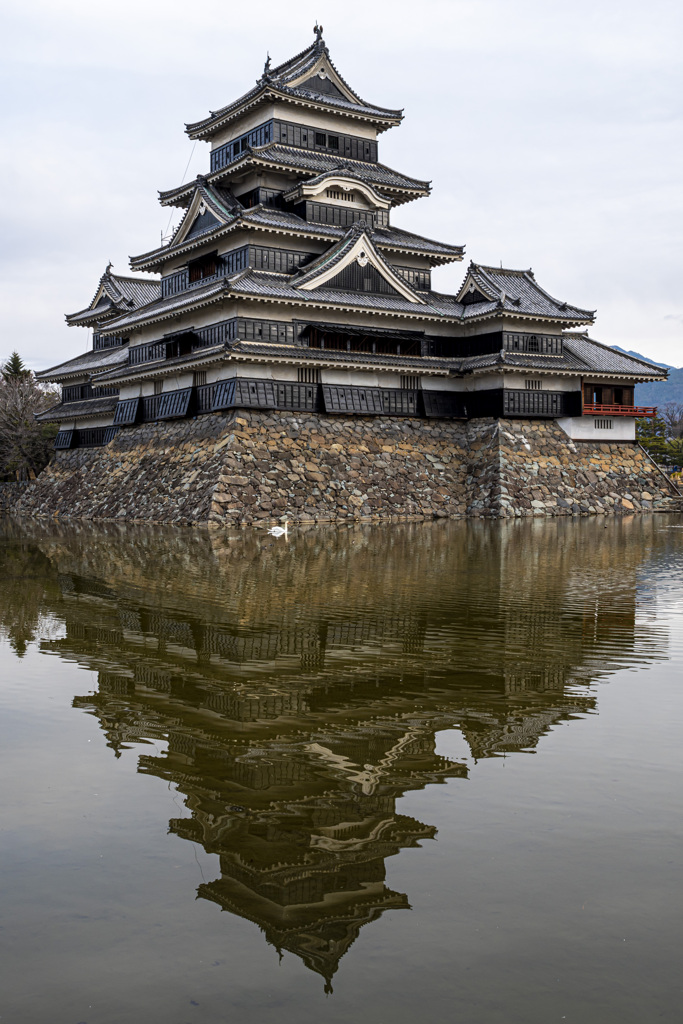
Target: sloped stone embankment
(247,466)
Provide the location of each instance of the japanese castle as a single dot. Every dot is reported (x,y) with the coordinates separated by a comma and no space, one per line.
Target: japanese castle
(287,285)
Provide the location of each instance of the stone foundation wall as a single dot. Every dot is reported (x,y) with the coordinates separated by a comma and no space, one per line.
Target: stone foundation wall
(10,493)
(247,466)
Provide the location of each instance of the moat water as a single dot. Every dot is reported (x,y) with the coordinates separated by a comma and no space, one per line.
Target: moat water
(380,774)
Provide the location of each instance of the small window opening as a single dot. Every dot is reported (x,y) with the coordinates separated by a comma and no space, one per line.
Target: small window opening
(410,382)
(603,424)
(205,267)
(199,378)
(532,385)
(308,375)
(320,138)
(158,387)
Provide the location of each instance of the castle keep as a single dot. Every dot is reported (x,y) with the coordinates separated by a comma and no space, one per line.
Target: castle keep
(291,357)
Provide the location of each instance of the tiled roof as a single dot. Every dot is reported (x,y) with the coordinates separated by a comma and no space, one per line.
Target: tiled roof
(397,238)
(257,283)
(90,362)
(336,255)
(567,361)
(285,220)
(162,308)
(280,79)
(307,161)
(342,170)
(200,356)
(390,238)
(117,294)
(604,359)
(310,160)
(220,202)
(426,364)
(331,256)
(517,291)
(526,299)
(79,410)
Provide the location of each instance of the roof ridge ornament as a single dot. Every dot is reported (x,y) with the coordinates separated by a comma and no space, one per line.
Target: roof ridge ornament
(266,76)
(318,32)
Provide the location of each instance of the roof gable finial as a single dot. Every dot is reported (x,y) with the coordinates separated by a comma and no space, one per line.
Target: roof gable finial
(266,67)
(318,32)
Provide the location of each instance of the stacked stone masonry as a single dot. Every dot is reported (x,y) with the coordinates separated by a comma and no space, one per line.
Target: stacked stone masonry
(249,467)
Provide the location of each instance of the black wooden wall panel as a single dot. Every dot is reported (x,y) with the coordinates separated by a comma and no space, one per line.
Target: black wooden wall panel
(370,401)
(127,412)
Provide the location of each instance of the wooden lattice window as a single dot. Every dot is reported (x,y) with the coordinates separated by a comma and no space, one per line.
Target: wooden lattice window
(308,375)
(532,385)
(207,266)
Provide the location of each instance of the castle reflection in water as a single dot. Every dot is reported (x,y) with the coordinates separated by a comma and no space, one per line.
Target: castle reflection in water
(299,683)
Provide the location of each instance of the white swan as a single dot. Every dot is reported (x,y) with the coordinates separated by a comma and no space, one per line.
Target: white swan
(278,531)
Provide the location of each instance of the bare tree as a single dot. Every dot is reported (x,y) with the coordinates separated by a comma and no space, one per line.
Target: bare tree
(672,414)
(25,444)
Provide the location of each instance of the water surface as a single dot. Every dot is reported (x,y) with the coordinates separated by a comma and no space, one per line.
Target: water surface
(377,773)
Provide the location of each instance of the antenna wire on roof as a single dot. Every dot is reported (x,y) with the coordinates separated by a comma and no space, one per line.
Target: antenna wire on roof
(187,167)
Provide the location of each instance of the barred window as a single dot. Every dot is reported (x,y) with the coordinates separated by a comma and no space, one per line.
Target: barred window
(410,382)
(158,387)
(308,375)
(199,378)
(532,385)
(603,424)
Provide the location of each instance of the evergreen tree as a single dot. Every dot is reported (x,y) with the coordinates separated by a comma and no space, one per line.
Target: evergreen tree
(14,369)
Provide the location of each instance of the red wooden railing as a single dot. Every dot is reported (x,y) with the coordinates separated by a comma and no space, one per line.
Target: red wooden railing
(598,409)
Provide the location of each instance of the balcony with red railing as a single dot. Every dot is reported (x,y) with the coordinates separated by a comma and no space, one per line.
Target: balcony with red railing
(638,411)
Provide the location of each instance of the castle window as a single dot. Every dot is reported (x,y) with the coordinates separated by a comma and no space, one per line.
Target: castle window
(158,387)
(410,382)
(533,344)
(199,378)
(207,266)
(333,141)
(532,385)
(320,138)
(603,424)
(308,375)
(335,193)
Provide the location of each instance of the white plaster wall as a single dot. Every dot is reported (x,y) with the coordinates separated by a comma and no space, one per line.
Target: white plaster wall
(341,123)
(266,371)
(442,384)
(177,381)
(95,421)
(245,124)
(582,428)
(548,382)
(357,378)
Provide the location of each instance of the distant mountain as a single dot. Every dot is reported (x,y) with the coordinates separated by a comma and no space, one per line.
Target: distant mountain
(661,392)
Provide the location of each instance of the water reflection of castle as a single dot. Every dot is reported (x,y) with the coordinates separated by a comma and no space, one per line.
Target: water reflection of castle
(301,694)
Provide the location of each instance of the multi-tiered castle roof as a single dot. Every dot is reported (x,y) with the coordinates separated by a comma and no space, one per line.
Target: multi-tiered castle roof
(288,285)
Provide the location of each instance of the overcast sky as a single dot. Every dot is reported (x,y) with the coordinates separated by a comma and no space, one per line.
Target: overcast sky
(551,132)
